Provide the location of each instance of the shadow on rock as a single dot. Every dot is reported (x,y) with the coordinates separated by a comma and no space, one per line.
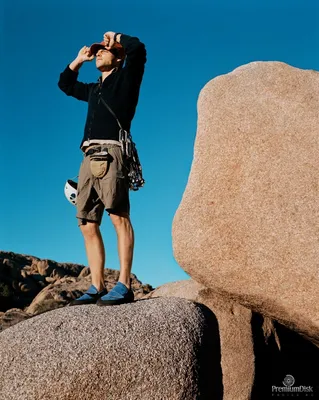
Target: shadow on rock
(209,358)
(295,356)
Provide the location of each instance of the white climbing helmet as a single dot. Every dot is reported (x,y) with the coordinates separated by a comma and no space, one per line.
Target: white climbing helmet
(71,191)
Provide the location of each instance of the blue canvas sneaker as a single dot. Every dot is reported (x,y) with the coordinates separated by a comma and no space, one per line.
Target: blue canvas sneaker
(89,297)
(120,294)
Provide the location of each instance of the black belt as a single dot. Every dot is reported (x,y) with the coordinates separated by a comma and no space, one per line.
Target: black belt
(95,150)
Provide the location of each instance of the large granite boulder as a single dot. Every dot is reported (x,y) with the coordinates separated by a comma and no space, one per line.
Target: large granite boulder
(247,225)
(153,349)
(234,322)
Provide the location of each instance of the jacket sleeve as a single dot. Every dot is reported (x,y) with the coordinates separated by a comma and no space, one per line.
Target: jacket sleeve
(135,56)
(70,85)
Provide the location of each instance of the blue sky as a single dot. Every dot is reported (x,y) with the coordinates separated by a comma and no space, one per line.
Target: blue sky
(188,44)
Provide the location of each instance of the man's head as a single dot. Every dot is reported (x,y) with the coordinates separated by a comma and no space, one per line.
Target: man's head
(107,59)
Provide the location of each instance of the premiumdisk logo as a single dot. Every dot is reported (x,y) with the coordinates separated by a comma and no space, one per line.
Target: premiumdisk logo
(289,387)
(289,380)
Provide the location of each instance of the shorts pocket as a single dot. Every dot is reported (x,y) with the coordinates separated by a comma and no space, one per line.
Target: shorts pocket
(117,168)
(98,168)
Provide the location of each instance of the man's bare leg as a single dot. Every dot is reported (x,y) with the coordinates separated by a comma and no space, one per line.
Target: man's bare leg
(95,252)
(125,245)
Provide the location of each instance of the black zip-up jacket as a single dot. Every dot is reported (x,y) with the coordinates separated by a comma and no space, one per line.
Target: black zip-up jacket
(120,90)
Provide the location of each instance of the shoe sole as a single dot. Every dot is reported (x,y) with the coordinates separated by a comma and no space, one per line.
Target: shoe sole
(80,303)
(77,302)
(113,302)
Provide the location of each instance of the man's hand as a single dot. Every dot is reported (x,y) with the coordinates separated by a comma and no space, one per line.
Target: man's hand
(83,56)
(108,38)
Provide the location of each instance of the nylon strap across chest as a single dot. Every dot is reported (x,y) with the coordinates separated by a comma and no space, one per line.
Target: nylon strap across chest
(124,136)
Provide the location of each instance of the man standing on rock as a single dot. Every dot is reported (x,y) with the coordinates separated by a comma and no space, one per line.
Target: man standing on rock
(103,181)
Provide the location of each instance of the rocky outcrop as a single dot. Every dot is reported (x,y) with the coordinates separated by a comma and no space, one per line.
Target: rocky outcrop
(236,341)
(12,317)
(30,286)
(64,290)
(247,225)
(24,276)
(153,349)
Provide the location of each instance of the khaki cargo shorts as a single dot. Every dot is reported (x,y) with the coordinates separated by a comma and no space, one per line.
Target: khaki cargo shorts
(102,185)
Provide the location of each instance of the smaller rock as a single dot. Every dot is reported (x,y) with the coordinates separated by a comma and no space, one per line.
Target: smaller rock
(85,272)
(234,323)
(24,273)
(12,317)
(159,349)
(43,268)
(49,279)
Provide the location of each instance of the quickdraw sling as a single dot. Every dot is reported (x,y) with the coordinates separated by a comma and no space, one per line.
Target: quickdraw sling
(130,155)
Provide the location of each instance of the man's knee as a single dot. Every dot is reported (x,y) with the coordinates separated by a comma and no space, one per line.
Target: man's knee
(120,219)
(89,229)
